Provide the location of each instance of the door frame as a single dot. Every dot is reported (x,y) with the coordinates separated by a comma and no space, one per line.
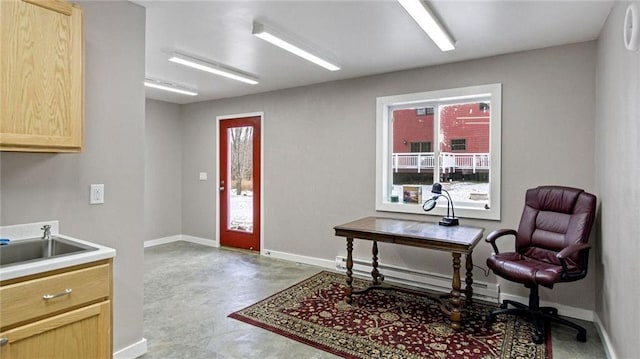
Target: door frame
(217,169)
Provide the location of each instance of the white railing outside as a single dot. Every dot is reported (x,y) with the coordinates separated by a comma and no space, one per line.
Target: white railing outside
(450,161)
(415,160)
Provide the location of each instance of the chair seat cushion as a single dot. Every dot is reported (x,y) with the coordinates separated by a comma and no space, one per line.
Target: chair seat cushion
(521,269)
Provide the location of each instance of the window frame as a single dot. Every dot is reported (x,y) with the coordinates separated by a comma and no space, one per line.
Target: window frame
(384,171)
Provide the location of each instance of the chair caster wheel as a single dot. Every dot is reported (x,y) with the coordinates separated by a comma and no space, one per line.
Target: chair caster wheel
(582,336)
(537,338)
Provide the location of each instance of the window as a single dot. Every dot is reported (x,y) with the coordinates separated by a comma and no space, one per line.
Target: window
(425,111)
(448,136)
(420,146)
(459,144)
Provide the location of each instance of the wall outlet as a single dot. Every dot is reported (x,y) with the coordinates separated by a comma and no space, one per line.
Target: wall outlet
(96,194)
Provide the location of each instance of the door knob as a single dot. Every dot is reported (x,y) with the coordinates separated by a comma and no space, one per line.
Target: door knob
(221,189)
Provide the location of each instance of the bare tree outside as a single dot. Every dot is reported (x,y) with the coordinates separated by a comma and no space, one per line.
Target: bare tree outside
(241,158)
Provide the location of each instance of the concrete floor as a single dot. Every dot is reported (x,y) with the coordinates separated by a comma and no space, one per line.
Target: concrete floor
(190,289)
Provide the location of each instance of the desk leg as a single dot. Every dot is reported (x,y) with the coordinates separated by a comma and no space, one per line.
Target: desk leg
(468,290)
(349,268)
(455,315)
(375,274)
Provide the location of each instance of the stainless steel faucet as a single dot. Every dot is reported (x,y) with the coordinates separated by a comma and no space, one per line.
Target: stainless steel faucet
(47,232)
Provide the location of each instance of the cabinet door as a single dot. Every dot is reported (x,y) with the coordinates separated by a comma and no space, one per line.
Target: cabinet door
(41,63)
(83,333)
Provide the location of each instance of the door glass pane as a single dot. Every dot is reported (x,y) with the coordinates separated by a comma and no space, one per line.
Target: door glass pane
(464,153)
(240,177)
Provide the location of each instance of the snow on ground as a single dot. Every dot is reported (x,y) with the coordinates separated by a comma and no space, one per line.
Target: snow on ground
(461,191)
(241,212)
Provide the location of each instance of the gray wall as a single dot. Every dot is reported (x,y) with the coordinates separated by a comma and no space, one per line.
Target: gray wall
(163,170)
(617,171)
(319,152)
(39,187)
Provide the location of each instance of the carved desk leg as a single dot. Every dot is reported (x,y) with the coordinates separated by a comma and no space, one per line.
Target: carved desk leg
(375,274)
(349,268)
(468,290)
(455,315)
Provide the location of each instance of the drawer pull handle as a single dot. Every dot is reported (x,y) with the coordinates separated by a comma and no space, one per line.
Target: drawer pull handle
(51,296)
(4,341)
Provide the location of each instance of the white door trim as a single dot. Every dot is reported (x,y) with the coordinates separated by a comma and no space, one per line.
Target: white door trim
(217,192)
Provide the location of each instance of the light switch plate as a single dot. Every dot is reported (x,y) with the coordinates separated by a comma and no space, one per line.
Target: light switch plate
(203,176)
(96,195)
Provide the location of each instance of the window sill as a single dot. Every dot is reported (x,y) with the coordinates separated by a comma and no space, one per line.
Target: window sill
(440,211)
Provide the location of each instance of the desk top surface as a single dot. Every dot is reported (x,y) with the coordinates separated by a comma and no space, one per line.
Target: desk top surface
(396,230)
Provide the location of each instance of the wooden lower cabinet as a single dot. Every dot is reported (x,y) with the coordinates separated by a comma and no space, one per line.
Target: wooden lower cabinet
(81,333)
(74,322)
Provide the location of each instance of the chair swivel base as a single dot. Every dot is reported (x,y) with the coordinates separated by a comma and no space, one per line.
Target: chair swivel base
(538,315)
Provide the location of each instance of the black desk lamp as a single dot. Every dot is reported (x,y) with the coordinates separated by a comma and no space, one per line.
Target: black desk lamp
(431,203)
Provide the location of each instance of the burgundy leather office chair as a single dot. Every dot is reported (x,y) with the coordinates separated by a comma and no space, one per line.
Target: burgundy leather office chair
(550,247)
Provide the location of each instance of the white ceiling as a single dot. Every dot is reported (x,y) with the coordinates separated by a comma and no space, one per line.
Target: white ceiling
(364,37)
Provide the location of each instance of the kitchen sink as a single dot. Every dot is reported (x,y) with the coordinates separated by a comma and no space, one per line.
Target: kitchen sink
(37,249)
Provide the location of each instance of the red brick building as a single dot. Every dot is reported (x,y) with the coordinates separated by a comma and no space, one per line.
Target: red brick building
(463,147)
(468,122)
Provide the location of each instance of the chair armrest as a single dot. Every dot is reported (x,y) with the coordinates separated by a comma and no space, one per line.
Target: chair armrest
(568,251)
(491,238)
(583,250)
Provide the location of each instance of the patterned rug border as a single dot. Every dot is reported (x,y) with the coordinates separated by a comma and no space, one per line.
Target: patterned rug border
(237,315)
(286,334)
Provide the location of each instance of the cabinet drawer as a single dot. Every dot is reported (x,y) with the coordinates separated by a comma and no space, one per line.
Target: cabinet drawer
(23,301)
(83,333)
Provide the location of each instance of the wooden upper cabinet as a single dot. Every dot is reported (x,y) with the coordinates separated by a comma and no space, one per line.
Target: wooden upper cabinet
(42,76)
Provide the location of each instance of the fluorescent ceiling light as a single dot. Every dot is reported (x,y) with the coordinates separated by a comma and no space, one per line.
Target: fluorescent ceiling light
(421,13)
(169,87)
(271,36)
(211,67)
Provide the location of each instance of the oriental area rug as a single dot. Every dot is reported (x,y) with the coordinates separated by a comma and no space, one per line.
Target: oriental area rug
(398,324)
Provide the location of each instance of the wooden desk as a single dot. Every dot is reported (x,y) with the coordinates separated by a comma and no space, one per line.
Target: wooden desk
(457,240)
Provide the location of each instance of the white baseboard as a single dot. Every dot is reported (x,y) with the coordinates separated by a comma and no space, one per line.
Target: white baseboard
(606,341)
(181,237)
(164,240)
(133,351)
(200,240)
(324,263)
(564,310)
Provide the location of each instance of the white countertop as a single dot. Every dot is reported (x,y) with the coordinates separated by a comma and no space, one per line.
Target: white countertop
(32,230)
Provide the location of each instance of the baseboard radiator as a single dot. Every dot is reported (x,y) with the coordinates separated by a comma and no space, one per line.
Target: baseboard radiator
(489,292)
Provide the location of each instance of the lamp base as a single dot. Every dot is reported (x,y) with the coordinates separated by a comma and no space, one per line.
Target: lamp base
(449,221)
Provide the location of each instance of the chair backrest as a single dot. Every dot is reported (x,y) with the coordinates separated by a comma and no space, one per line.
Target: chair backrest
(553,218)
